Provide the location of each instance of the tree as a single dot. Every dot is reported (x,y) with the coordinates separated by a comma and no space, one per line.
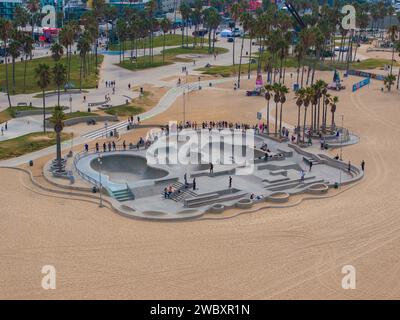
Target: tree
(393,34)
(235,13)
(5,32)
(57,120)
(389,80)
(14,51)
(334,101)
(185,12)
(300,96)
(60,77)
(33,7)
(268,90)
(83,47)
(165,25)
(245,18)
(27,48)
(67,37)
(43,76)
(57,51)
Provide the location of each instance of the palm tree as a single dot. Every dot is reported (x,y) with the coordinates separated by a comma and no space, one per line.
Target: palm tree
(5,32)
(57,51)
(57,120)
(43,76)
(27,47)
(246,20)
(334,101)
(309,93)
(14,51)
(67,37)
(282,99)
(185,12)
(60,77)
(389,80)
(300,96)
(235,13)
(33,7)
(393,34)
(165,25)
(83,47)
(268,90)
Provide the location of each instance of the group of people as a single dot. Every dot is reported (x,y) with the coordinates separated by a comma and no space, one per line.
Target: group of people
(4,128)
(110,84)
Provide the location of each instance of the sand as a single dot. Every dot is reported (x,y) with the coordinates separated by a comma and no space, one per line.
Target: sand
(291,253)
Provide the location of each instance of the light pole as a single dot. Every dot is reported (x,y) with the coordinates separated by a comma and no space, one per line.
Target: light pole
(341,154)
(184,107)
(99,158)
(70,103)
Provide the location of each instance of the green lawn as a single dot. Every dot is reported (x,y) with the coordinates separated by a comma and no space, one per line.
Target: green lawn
(76,114)
(8,113)
(227,71)
(31,82)
(124,110)
(28,143)
(158,41)
(170,57)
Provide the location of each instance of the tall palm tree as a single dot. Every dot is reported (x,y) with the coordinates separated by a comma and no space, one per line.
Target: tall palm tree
(57,51)
(5,33)
(59,77)
(268,90)
(43,76)
(185,13)
(389,80)
(165,25)
(27,48)
(246,20)
(34,8)
(67,37)
(57,120)
(335,100)
(14,48)
(300,96)
(394,35)
(83,47)
(235,13)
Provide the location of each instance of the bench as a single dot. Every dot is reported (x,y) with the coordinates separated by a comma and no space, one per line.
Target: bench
(105,106)
(278,172)
(286,151)
(93,104)
(22,104)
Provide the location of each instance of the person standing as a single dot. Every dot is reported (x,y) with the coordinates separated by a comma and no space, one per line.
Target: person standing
(349,167)
(194,183)
(211,168)
(230,182)
(311,164)
(362,165)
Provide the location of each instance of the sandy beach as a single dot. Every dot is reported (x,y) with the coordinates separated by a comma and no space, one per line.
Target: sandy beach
(295,253)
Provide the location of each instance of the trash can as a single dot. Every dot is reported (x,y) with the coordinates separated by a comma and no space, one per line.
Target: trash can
(296,87)
(31,163)
(336,185)
(94,189)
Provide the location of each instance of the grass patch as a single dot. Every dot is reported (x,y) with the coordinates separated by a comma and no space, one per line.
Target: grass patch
(327,65)
(158,41)
(10,113)
(32,87)
(28,143)
(170,58)
(124,110)
(76,114)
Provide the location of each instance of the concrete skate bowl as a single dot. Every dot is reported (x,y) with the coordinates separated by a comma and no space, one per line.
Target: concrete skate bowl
(317,188)
(219,152)
(122,168)
(278,197)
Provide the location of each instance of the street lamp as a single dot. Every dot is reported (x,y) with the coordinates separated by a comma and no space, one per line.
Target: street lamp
(70,103)
(99,158)
(184,107)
